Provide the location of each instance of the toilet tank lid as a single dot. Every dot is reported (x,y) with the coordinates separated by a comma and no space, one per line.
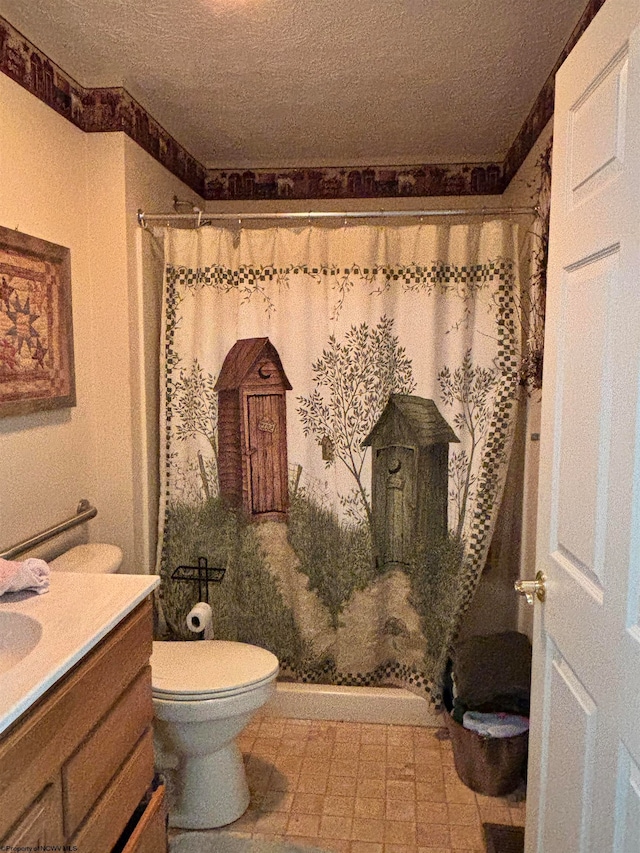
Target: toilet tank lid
(209,666)
(92,558)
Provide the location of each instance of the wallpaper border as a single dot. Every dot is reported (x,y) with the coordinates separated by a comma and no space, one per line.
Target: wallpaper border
(100,110)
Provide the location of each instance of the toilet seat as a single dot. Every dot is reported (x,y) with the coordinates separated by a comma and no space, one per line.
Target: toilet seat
(191,671)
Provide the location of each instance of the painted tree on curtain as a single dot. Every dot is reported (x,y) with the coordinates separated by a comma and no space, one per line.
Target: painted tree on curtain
(398,434)
(354,381)
(472,388)
(196,404)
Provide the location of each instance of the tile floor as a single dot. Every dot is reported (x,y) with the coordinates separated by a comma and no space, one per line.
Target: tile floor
(360,788)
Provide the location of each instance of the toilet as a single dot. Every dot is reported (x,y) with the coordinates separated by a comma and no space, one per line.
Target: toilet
(204,694)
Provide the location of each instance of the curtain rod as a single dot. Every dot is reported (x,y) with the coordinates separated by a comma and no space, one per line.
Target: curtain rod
(199,217)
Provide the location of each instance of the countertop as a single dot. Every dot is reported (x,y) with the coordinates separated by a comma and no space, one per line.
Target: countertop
(76,613)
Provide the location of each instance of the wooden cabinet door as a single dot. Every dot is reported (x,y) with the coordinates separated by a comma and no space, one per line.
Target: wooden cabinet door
(41,824)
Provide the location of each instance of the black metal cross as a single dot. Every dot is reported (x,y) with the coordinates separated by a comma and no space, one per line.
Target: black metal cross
(202,573)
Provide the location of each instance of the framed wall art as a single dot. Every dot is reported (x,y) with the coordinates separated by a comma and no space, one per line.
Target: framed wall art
(36,330)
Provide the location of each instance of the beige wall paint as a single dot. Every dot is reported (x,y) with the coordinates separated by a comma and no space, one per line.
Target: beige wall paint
(47,460)
(111,360)
(82,191)
(148,186)
(351,204)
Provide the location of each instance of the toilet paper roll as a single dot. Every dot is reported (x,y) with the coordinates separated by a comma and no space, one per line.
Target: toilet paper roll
(199,619)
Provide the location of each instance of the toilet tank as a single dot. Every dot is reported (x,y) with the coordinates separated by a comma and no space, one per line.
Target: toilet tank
(93,558)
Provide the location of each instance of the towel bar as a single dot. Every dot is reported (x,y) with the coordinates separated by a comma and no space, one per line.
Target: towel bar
(84,512)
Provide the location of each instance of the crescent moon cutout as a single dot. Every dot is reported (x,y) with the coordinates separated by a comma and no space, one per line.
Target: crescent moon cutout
(397,467)
(262,374)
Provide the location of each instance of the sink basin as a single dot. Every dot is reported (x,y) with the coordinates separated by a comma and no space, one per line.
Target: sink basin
(19,634)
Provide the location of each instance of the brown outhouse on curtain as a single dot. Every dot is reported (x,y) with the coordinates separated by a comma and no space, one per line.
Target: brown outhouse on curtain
(252,430)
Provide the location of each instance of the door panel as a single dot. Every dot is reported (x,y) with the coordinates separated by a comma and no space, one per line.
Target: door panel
(570,750)
(582,436)
(596,157)
(627,805)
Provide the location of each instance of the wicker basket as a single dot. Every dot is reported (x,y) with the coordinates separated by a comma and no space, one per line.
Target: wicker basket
(490,766)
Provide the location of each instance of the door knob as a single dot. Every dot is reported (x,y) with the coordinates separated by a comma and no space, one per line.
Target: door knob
(535,588)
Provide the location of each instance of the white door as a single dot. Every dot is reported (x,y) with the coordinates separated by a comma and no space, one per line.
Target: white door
(584,773)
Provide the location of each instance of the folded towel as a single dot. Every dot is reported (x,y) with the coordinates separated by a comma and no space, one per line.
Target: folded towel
(31,574)
(495,725)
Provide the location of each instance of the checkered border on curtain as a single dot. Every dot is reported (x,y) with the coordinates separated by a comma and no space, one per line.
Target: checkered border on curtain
(411,276)
(171,359)
(389,673)
(492,472)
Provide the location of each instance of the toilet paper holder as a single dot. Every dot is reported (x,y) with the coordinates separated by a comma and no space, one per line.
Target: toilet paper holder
(202,574)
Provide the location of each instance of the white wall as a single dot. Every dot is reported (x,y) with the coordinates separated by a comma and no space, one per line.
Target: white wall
(81,191)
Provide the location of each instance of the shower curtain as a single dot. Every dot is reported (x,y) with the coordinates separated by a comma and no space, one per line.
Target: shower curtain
(338,407)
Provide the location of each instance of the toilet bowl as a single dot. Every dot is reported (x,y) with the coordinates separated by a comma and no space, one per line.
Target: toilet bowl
(204,694)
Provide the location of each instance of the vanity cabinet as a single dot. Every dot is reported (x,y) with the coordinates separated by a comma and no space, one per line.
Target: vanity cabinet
(77,768)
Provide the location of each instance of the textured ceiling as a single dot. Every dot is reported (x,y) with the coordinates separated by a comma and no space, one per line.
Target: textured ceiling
(285,83)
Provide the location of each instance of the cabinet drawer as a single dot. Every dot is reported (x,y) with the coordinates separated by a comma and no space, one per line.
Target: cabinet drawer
(90,769)
(111,814)
(150,833)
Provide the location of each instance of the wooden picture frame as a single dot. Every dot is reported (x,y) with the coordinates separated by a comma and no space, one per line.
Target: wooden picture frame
(36,329)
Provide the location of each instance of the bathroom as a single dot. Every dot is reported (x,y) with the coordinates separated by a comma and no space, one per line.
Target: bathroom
(83,190)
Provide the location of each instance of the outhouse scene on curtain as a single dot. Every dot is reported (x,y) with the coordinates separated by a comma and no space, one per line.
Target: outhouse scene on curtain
(338,412)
